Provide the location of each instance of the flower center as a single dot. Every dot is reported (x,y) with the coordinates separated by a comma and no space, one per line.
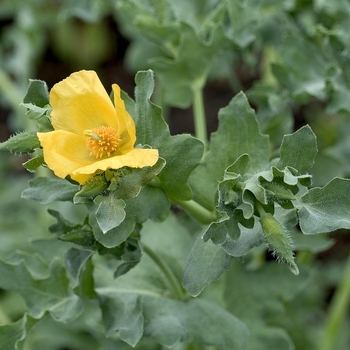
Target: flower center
(102,141)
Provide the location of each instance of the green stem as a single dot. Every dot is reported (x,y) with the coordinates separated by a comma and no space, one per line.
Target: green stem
(173,282)
(200,124)
(260,209)
(194,209)
(337,312)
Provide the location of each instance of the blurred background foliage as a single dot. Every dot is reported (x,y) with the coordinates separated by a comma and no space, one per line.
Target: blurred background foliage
(291,58)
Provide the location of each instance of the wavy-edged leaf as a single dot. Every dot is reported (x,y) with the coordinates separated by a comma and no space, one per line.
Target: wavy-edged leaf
(52,293)
(238,133)
(140,302)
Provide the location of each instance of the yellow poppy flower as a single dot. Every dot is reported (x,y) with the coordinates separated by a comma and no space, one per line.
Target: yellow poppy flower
(90,133)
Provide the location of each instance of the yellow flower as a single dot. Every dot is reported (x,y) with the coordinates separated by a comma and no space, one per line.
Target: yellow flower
(90,133)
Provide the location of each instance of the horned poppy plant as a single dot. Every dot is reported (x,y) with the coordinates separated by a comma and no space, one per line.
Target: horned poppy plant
(90,133)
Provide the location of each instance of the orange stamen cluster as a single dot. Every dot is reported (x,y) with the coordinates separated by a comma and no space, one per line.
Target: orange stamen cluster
(102,141)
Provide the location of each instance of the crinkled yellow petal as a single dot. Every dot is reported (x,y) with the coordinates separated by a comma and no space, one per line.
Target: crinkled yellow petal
(64,151)
(126,129)
(80,102)
(136,158)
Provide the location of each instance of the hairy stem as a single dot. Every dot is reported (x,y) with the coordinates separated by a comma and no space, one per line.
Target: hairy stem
(171,279)
(337,312)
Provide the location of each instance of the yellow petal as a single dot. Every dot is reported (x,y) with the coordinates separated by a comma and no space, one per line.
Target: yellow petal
(80,102)
(136,158)
(64,151)
(126,128)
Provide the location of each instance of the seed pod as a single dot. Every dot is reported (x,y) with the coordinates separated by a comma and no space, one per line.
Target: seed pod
(23,142)
(278,241)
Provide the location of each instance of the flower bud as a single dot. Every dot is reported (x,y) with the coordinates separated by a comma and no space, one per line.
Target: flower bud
(278,241)
(24,142)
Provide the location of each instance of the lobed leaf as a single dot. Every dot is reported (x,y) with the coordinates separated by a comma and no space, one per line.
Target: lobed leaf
(325,209)
(238,133)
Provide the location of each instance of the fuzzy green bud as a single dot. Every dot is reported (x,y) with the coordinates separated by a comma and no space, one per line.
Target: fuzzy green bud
(23,142)
(93,187)
(278,241)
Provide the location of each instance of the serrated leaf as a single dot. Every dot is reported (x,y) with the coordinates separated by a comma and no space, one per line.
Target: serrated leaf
(47,190)
(52,293)
(298,150)
(152,130)
(325,209)
(206,262)
(238,133)
(110,212)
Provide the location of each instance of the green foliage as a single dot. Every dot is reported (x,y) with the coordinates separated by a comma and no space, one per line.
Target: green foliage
(182,254)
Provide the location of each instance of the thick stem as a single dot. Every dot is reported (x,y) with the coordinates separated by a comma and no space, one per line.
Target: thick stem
(200,123)
(171,279)
(337,312)
(196,211)
(193,208)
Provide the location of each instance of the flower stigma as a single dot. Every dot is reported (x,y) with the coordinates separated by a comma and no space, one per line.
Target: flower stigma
(102,141)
